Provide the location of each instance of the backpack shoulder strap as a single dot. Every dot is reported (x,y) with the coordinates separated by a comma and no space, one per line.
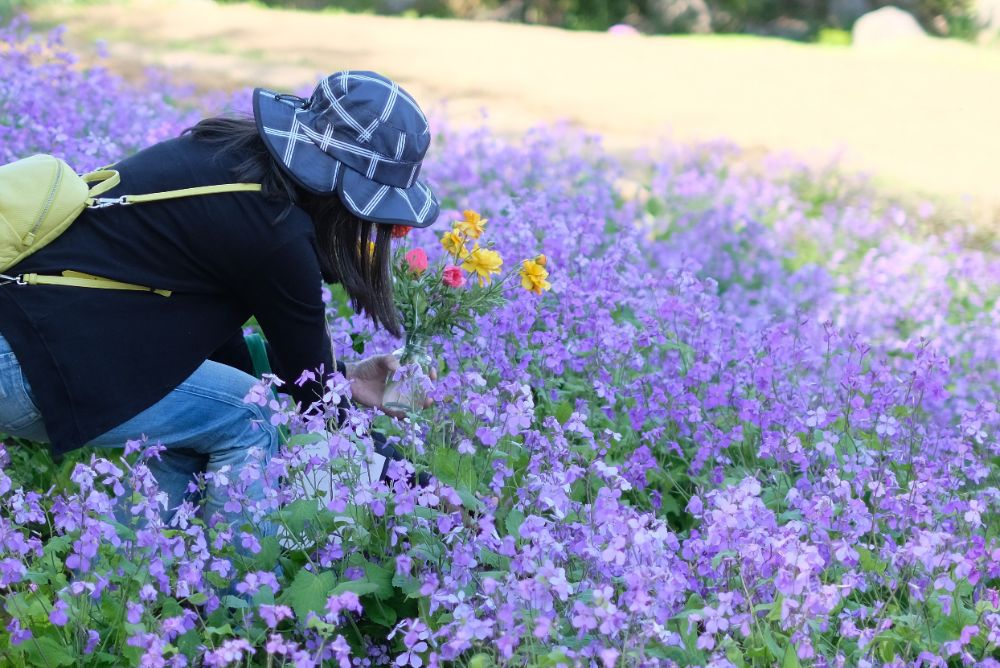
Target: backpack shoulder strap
(94,202)
(78,279)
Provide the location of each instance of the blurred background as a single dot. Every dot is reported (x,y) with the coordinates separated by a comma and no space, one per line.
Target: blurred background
(907,93)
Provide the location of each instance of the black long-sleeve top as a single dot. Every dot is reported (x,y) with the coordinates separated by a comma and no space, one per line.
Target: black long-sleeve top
(96,358)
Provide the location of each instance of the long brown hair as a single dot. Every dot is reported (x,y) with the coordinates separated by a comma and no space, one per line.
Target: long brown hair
(341,236)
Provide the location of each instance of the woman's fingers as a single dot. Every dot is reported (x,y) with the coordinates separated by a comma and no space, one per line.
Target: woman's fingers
(391,363)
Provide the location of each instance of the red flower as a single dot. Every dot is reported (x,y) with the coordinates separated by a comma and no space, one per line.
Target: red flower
(400,231)
(417,259)
(453,276)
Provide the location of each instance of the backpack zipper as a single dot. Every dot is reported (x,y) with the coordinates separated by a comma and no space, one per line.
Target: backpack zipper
(30,238)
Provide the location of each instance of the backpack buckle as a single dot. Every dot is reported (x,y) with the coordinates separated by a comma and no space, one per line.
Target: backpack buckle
(102,202)
(19,279)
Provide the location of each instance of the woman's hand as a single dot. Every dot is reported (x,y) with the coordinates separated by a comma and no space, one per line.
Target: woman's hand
(371,377)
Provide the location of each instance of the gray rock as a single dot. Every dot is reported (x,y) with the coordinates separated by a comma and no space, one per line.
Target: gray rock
(682,15)
(787,27)
(843,13)
(400,6)
(987,13)
(888,25)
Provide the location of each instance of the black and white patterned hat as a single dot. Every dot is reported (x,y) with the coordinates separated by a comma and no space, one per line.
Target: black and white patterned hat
(359,135)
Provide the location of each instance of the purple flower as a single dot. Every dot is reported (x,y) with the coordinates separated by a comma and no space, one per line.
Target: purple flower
(274,614)
(58,615)
(17,634)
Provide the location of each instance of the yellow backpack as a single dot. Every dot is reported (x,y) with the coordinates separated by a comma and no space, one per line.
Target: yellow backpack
(41,196)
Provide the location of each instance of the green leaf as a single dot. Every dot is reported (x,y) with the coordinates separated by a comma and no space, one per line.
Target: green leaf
(359,587)
(234,602)
(791,658)
(469,499)
(445,463)
(48,651)
(869,563)
(735,655)
(772,644)
(381,577)
(197,598)
(57,546)
(298,513)
(513,522)
(270,550)
(494,559)
(775,614)
(224,630)
(381,614)
(481,661)
(407,584)
(309,592)
(563,412)
(305,439)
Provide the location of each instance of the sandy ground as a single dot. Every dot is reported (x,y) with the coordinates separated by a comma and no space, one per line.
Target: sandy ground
(923,120)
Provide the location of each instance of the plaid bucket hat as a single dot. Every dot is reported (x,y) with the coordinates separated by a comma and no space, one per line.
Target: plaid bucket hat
(359,135)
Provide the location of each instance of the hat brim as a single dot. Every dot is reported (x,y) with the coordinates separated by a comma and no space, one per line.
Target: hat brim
(322,174)
(415,206)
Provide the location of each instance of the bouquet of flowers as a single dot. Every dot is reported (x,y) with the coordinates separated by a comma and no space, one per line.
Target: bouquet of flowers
(466,283)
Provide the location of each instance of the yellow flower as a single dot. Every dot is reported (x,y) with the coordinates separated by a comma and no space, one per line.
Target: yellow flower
(541,259)
(454,244)
(533,275)
(483,262)
(471,224)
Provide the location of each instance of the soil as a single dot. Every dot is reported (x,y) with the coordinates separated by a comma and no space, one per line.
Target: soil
(923,119)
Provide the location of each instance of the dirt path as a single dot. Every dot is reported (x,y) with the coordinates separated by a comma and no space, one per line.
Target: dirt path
(925,120)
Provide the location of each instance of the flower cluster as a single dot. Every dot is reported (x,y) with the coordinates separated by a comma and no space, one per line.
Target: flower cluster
(460,287)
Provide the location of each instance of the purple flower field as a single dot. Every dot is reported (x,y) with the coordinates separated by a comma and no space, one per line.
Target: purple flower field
(753,423)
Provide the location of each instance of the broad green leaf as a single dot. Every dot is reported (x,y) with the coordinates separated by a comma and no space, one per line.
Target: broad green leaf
(298,513)
(235,603)
(407,584)
(563,412)
(48,651)
(381,577)
(359,587)
(494,559)
(197,598)
(57,546)
(305,439)
(309,592)
(224,630)
(469,499)
(382,614)
(481,661)
(735,655)
(270,550)
(513,522)
(869,563)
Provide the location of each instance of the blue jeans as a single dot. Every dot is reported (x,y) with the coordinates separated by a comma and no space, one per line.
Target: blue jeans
(203,423)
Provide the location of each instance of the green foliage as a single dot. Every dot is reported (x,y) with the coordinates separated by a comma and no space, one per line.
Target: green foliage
(834,37)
